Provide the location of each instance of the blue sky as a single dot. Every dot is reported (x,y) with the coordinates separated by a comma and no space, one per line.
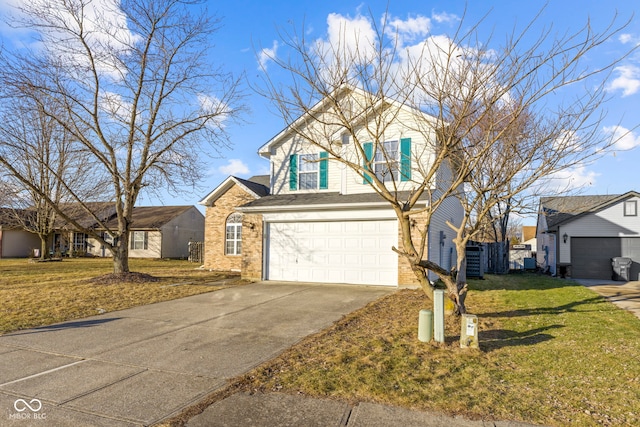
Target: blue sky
(250,26)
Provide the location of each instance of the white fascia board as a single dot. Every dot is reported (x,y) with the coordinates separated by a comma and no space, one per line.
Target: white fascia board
(331,215)
(223,188)
(265,150)
(332,206)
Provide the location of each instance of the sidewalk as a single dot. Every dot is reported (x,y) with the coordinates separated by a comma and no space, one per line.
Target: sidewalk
(282,410)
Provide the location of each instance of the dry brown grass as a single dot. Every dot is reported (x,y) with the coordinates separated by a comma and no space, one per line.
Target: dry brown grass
(551,353)
(36,294)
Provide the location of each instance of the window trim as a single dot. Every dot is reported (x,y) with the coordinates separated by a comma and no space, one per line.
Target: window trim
(313,169)
(234,220)
(630,208)
(80,241)
(389,165)
(319,163)
(135,241)
(401,170)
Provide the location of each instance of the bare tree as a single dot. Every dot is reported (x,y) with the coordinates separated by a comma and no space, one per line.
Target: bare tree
(133,84)
(42,152)
(491,112)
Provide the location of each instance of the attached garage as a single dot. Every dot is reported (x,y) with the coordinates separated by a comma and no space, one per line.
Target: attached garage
(591,256)
(340,251)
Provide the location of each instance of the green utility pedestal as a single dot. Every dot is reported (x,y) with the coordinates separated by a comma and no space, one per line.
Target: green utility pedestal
(425,325)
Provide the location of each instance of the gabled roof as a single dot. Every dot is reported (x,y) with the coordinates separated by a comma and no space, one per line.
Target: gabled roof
(152,217)
(562,209)
(103,210)
(338,93)
(257,186)
(15,218)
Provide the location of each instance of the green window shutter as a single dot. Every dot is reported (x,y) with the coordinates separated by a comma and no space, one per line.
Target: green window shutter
(368,154)
(293,172)
(405,159)
(324,167)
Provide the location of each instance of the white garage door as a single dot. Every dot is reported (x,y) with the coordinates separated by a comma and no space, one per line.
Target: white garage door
(357,252)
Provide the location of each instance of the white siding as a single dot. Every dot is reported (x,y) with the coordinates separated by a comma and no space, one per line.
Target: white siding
(450,210)
(346,180)
(17,243)
(154,244)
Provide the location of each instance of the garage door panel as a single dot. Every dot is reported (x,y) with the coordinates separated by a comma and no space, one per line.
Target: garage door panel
(591,256)
(342,252)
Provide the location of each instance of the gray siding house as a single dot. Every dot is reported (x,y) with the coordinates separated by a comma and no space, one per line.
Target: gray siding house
(578,236)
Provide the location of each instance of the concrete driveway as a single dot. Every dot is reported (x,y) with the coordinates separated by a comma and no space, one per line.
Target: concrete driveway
(142,365)
(625,295)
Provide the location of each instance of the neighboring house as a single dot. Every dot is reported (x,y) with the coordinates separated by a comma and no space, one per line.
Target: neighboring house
(157,232)
(577,236)
(15,241)
(318,221)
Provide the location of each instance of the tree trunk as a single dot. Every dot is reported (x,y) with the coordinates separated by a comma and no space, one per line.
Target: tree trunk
(461,281)
(121,256)
(43,247)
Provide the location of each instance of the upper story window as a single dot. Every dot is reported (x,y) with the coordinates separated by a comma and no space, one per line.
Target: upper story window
(308,171)
(390,162)
(386,160)
(233,235)
(631,208)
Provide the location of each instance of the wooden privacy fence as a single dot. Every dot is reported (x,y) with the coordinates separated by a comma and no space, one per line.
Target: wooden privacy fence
(196,252)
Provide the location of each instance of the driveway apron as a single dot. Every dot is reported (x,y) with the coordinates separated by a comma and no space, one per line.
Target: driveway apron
(142,365)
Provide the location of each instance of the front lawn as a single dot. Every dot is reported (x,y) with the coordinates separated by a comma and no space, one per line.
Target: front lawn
(41,293)
(552,353)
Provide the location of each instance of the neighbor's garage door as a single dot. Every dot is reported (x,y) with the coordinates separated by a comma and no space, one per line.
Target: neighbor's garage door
(357,252)
(591,256)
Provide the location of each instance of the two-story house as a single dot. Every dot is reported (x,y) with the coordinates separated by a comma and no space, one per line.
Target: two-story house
(314,219)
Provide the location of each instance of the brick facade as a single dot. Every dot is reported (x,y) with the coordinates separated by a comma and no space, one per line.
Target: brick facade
(252,246)
(215,229)
(250,263)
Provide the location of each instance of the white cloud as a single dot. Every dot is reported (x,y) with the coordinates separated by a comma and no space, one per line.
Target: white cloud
(103,23)
(212,105)
(115,105)
(411,29)
(348,37)
(628,80)
(628,38)
(444,17)
(570,179)
(234,167)
(623,138)
(266,55)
